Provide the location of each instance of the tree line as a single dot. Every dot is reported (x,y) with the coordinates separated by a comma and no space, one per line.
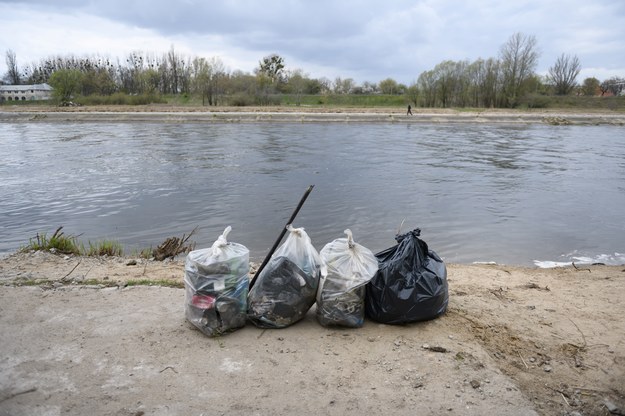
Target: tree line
(507,80)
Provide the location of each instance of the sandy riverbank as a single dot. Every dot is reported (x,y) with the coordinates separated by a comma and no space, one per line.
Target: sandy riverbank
(78,340)
(173,114)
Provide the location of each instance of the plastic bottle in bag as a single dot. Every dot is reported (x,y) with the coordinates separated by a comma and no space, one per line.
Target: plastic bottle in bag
(341,296)
(286,288)
(216,286)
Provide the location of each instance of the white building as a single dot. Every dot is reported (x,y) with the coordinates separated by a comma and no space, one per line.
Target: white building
(25,92)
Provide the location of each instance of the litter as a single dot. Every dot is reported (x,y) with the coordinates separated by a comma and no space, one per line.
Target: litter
(216,286)
(341,297)
(286,288)
(410,284)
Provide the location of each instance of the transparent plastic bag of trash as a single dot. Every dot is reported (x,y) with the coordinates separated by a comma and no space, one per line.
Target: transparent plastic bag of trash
(410,284)
(286,288)
(341,295)
(216,286)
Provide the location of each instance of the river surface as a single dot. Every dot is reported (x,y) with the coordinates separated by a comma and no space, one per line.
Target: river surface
(523,195)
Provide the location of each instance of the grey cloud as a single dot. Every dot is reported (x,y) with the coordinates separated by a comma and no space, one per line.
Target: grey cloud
(373,39)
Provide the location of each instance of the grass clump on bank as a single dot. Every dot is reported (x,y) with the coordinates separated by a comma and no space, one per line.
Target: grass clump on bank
(105,248)
(68,244)
(58,242)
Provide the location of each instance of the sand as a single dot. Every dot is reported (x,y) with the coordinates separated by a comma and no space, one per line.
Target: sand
(303,114)
(78,339)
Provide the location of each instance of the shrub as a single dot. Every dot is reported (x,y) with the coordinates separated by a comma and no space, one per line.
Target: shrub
(241,100)
(105,248)
(534,101)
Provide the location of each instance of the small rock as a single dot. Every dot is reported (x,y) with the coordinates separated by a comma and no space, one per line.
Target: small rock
(434,348)
(475,384)
(547,369)
(131,262)
(613,408)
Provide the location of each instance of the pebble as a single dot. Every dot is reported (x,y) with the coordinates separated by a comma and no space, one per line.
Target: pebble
(547,369)
(612,408)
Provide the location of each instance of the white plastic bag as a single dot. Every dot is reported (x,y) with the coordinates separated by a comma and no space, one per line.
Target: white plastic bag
(286,288)
(216,286)
(341,296)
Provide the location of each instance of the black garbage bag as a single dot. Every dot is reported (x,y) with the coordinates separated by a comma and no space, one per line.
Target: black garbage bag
(287,287)
(410,284)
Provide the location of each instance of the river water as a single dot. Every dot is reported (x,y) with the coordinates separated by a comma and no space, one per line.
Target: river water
(513,194)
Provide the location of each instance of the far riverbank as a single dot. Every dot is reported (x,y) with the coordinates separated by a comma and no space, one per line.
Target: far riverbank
(183,114)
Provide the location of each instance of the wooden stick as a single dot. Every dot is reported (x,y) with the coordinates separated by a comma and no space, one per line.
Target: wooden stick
(277,243)
(71,271)
(526,366)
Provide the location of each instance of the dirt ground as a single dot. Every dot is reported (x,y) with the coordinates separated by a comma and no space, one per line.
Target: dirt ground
(90,336)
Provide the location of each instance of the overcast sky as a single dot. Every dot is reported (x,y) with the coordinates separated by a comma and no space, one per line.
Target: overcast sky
(367,40)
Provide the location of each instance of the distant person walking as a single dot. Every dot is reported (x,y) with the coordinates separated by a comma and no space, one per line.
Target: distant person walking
(409,110)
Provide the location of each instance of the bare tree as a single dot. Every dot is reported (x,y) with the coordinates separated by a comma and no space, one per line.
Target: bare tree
(13,73)
(518,56)
(564,73)
(615,85)
(325,85)
(205,77)
(343,86)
